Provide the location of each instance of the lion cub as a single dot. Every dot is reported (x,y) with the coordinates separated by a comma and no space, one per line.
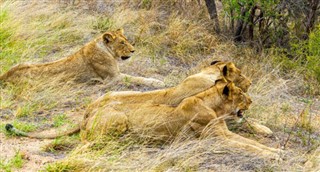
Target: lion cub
(96,60)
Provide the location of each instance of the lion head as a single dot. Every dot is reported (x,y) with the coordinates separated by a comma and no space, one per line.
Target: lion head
(233,74)
(118,44)
(231,100)
(238,98)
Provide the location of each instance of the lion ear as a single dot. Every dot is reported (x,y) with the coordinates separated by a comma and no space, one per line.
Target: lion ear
(214,62)
(121,31)
(108,37)
(226,90)
(225,70)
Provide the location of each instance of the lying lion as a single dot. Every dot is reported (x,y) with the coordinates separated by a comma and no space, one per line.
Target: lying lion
(190,86)
(200,115)
(97,59)
(164,121)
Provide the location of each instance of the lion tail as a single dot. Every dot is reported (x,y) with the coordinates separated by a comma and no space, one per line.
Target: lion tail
(15,71)
(10,128)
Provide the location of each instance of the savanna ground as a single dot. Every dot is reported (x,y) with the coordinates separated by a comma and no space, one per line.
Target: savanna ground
(172,41)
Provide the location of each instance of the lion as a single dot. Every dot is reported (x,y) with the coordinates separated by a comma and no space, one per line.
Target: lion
(172,96)
(144,116)
(190,86)
(200,114)
(96,60)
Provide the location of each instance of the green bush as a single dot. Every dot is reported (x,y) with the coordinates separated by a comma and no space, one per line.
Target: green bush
(302,57)
(313,59)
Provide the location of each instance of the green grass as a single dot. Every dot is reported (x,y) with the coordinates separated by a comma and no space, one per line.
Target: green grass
(26,110)
(10,46)
(62,144)
(60,167)
(103,24)
(15,163)
(60,120)
(23,126)
(160,36)
(19,44)
(109,148)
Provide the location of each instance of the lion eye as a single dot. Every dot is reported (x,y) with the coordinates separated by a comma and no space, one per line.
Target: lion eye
(122,42)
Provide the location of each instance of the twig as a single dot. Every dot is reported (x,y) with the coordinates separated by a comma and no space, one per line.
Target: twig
(293,128)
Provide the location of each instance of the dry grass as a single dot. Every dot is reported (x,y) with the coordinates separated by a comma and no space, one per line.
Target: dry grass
(127,154)
(170,44)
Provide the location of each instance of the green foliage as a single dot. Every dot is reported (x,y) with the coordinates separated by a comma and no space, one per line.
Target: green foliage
(313,59)
(235,6)
(304,57)
(314,42)
(278,24)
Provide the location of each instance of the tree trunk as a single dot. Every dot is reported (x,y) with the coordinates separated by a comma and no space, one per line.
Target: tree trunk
(212,9)
(232,20)
(239,28)
(311,16)
(251,22)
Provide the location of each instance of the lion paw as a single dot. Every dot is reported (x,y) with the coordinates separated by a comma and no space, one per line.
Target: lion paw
(155,83)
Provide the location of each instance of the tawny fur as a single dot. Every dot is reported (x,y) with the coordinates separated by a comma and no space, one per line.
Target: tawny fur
(200,115)
(96,60)
(190,86)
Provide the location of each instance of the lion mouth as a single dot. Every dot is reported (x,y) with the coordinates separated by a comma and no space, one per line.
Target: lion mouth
(124,57)
(240,113)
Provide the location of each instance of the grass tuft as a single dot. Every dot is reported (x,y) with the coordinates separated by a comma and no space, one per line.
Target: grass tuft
(15,162)
(60,120)
(61,167)
(62,144)
(103,24)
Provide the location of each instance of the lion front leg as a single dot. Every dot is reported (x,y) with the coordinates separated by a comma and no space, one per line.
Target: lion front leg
(219,129)
(251,124)
(255,144)
(141,80)
(253,148)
